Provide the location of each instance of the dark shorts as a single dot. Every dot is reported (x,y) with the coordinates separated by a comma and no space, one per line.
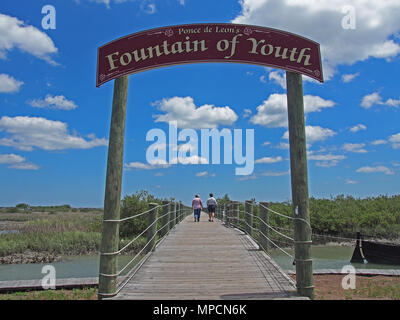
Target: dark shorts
(211,209)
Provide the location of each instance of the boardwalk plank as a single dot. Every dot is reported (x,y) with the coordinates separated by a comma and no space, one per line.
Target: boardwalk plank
(207,261)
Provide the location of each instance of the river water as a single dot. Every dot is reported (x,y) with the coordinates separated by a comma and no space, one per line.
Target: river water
(324,257)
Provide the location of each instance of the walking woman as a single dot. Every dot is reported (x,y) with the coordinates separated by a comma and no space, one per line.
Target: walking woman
(197,205)
(211,205)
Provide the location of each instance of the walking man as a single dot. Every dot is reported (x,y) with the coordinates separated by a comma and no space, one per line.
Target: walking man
(211,205)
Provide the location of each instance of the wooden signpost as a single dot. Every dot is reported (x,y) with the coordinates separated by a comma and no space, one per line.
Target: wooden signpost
(198,43)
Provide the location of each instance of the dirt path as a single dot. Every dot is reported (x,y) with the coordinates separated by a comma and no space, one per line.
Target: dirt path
(329,287)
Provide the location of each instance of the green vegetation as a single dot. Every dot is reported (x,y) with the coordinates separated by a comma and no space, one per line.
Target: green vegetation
(75,294)
(342,216)
(56,234)
(61,230)
(69,231)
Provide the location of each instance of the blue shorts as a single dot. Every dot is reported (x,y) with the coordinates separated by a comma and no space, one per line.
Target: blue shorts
(197,213)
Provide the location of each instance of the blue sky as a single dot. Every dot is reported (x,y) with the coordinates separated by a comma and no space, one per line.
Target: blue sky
(54,122)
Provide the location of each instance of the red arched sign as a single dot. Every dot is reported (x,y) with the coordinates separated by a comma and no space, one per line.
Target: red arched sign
(208,43)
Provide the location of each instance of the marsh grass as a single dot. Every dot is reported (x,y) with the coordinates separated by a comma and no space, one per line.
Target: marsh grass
(75,294)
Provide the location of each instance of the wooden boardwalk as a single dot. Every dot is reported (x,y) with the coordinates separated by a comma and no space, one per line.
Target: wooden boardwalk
(205,260)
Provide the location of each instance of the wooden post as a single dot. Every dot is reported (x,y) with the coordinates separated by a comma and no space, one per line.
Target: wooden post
(224,213)
(299,180)
(248,208)
(235,213)
(165,218)
(151,239)
(172,216)
(229,214)
(180,211)
(264,217)
(112,198)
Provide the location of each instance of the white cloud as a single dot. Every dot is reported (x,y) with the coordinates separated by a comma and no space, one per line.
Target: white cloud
(374,98)
(205,174)
(53,102)
(248,177)
(11,158)
(151,8)
(278,77)
(194,159)
(381,169)
(325,160)
(321,21)
(358,127)
(273,112)
(146,166)
(24,166)
(354,147)
(378,142)
(202,174)
(266,143)
(262,79)
(395,141)
(8,84)
(349,181)
(275,174)
(269,160)
(314,133)
(27,133)
(247,113)
(15,161)
(369,100)
(346,78)
(283,146)
(15,34)
(187,115)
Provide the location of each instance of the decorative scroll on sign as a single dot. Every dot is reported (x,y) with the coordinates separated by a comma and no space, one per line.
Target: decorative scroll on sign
(208,43)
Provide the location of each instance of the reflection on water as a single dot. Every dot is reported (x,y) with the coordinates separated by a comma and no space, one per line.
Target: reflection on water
(327,257)
(70,267)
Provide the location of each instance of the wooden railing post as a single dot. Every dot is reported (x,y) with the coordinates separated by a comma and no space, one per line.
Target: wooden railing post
(172,216)
(165,219)
(224,213)
(299,181)
(235,213)
(229,214)
(262,227)
(112,199)
(248,208)
(180,211)
(151,232)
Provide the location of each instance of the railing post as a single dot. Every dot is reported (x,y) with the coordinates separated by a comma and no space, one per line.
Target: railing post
(262,227)
(152,224)
(112,199)
(230,214)
(235,213)
(180,211)
(224,213)
(165,218)
(173,216)
(248,208)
